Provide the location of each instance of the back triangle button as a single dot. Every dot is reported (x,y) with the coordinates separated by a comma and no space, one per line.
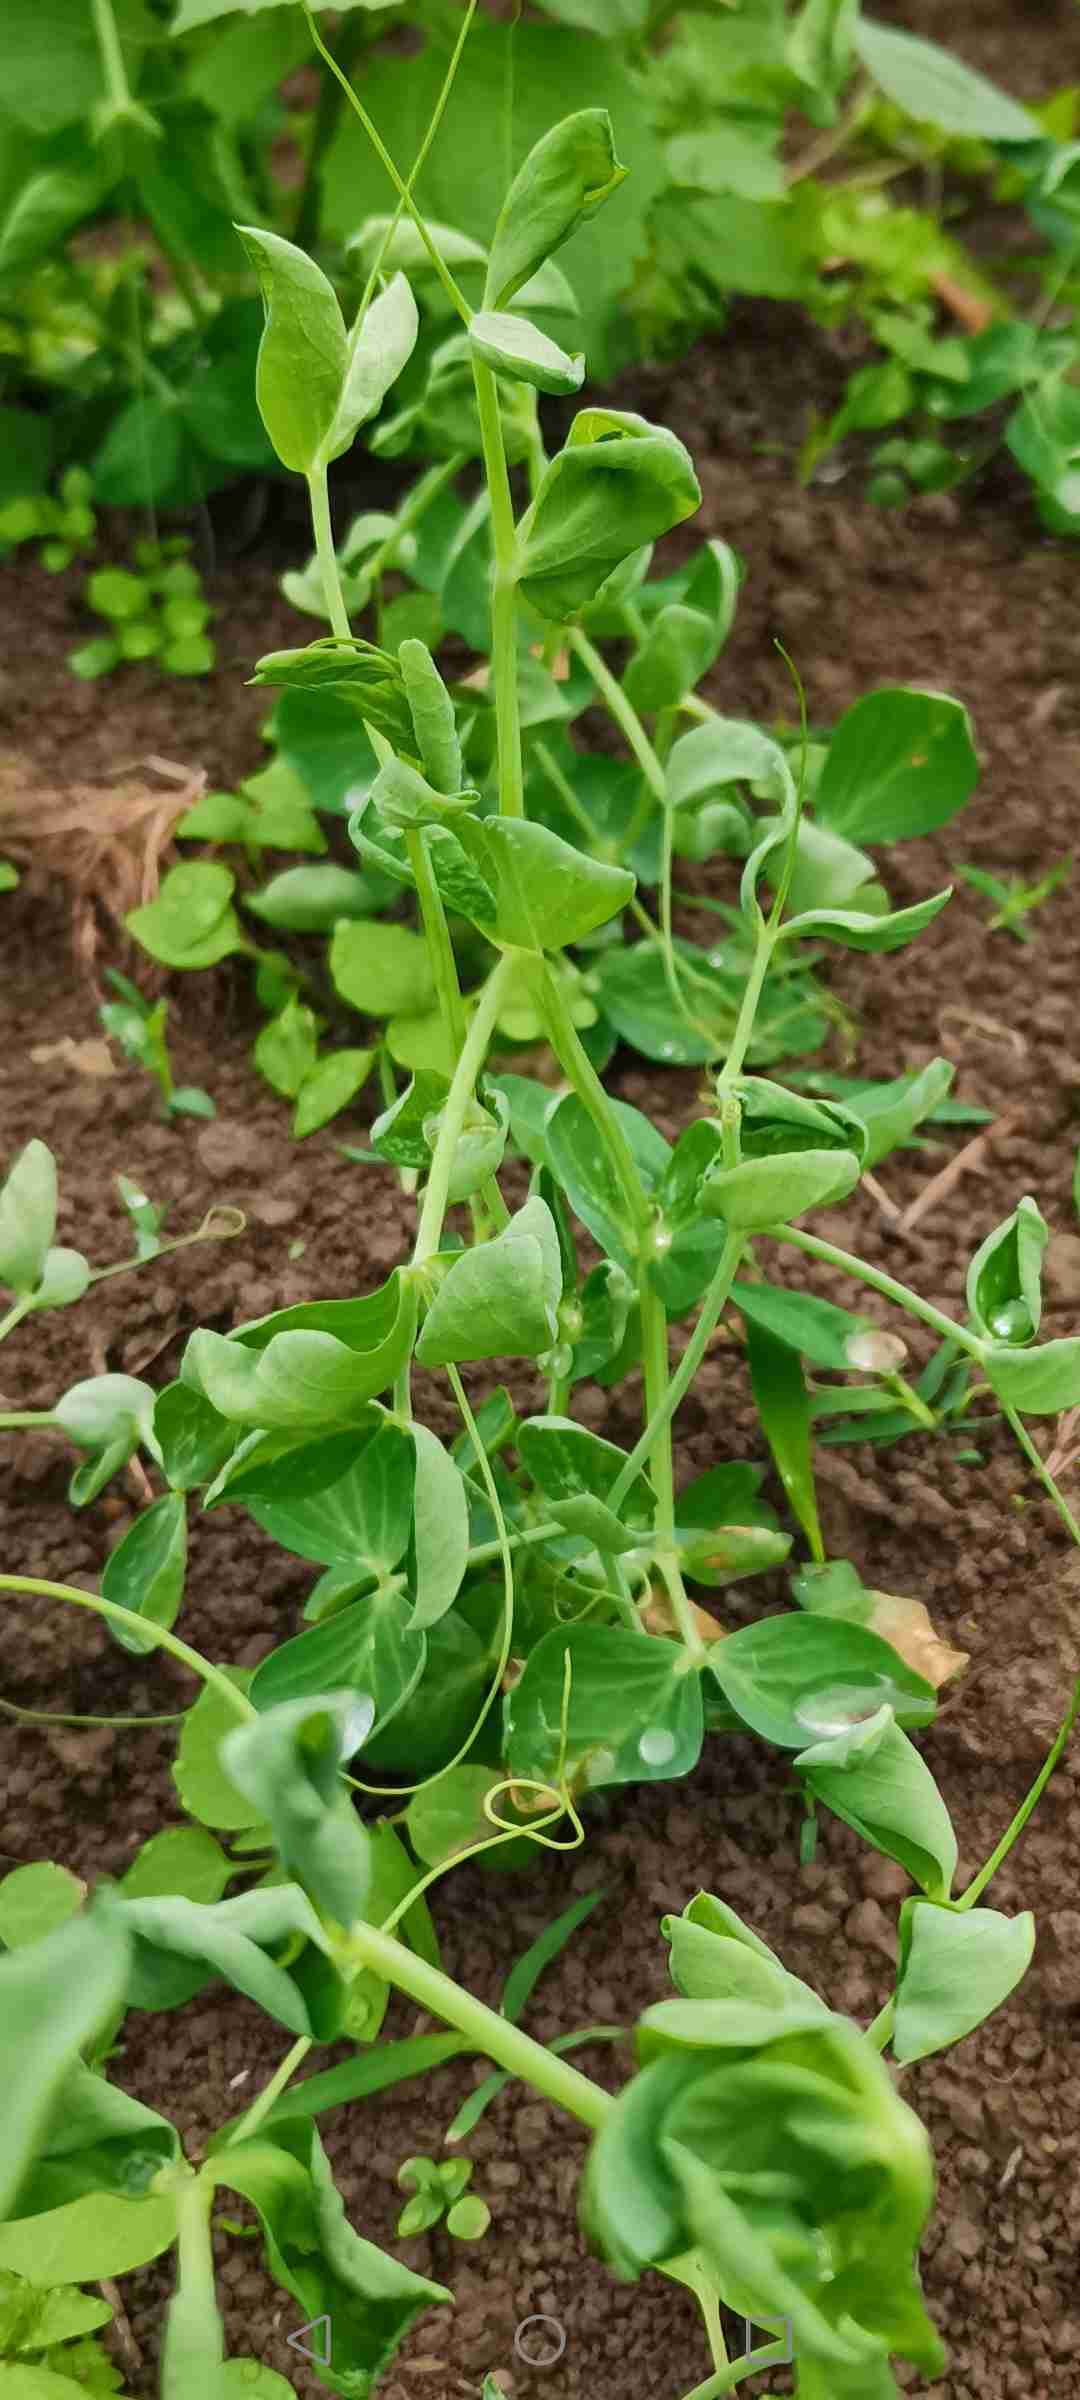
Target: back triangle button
(320,2326)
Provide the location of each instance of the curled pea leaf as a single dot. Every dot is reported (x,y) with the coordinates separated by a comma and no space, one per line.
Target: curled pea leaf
(398,1134)
(287,1763)
(715,1956)
(293,1374)
(678,647)
(108,1415)
(521,351)
(440,1530)
(760,1192)
(887,1793)
(65,1275)
(479,1148)
(432,713)
(858,929)
(1004,1287)
(566,177)
(311,899)
(500,1300)
(336,677)
(891,1111)
(304,352)
(546,893)
(145,1573)
(899,763)
(379,347)
(617,483)
(954,1970)
(27,1217)
(603,1317)
(404,799)
(800,1678)
(55,1995)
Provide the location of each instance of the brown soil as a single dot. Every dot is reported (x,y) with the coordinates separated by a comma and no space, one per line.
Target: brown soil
(958,593)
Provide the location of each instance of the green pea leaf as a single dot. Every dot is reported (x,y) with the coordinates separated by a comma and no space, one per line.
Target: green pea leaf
(1004,1280)
(567,1462)
(500,1300)
(889,1796)
(858,929)
(617,483)
(35,1900)
(441,1529)
(954,1970)
(891,1111)
(304,352)
(582,1165)
(193,1441)
(300,1380)
(829,1336)
(724,1531)
(145,1573)
(799,1677)
(760,1192)
(1039,1382)
(900,763)
(566,177)
(206,1790)
(715,1956)
(379,347)
(183,1862)
(634,1713)
(369,1648)
(55,1994)
(448,1816)
(312,899)
(345,1501)
(432,713)
(520,350)
(288,1764)
(88,2241)
(547,894)
(678,647)
(936,88)
(328,1088)
(192,923)
(28,1203)
(383,970)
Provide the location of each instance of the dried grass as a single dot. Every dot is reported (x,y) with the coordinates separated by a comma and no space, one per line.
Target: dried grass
(106,841)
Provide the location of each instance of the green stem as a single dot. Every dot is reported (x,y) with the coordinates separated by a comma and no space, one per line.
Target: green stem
(193,2342)
(492,2035)
(326,554)
(112,56)
(14,1417)
(846,1263)
(711,1310)
(1042,1471)
(579,1071)
(398,181)
(503,591)
(437,936)
(728,2378)
(470,1062)
(913,1401)
(626,717)
(253,2117)
(19,1309)
(976,1888)
(158,1636)
(354,36)
(748,1007)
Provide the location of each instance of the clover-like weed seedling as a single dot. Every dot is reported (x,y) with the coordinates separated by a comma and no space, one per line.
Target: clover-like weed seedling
(66,526)
(505,1623)
(440,2196)
(140,1028)
(157,609)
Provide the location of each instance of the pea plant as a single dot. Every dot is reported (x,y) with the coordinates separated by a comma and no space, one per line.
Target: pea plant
(504,1623)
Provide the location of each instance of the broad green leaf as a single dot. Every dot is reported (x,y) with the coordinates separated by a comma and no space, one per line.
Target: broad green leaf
(193,1441)
(145,1573)
(617,483)
(760,1192)
(500,1300)
(678,647)
(1039,1382)
(567,1463)
(182,1944)
(441,1529)
(301,1381)
(860,929)
(304,353)
(714,1956)
(27,1217)
(35,1900)
(804,1678)
(522,351)
(342,686)
(332,1082)
(936,88)
(723,1530)
(369,1648)
(566,177)
(829,1336)
(206,1790)
(192,922)
(899,763)
(547,894)
(384,970)
(447,1816)
(891,1799)
(288,1764)
(313,2253)
(633,1715)
(312,899)
(581,1163)
(182,1862)
(891,1111)
(378,349)
(108,1415)
(55,1994)
(345,1501)
(955,1969)
(90,2240)
(285,1049)
(1004,1280)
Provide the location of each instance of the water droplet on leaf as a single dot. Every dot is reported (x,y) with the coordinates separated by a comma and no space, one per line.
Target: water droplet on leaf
(657,1746)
